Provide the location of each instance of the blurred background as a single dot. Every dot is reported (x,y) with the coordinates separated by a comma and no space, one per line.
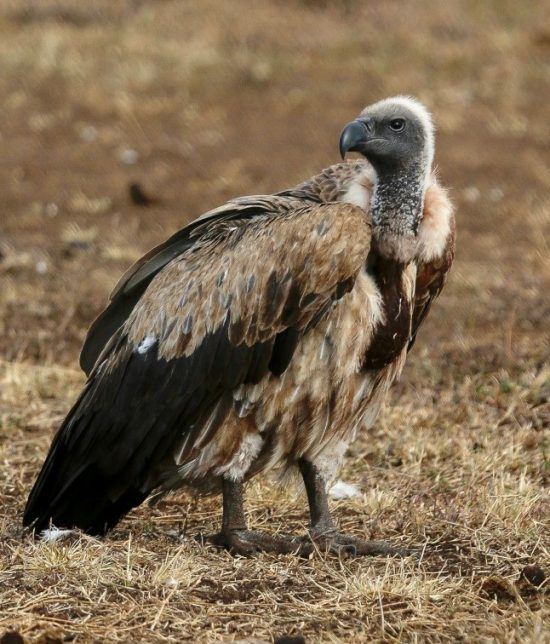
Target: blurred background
(197,102)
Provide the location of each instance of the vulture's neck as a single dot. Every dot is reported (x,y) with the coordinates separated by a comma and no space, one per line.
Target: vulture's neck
(397,205)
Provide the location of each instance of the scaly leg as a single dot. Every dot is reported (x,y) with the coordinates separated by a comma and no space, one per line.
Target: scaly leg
(323,533)
(235,536)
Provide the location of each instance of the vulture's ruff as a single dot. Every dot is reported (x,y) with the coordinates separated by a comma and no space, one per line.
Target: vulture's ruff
(266,333)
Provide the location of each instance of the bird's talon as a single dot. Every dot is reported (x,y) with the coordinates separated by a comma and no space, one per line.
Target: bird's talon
(249,542)
(338,544)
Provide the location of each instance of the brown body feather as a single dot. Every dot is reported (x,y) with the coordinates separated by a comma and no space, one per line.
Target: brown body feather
(268,330)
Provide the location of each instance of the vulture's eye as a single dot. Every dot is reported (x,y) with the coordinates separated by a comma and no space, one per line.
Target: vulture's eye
(397,125)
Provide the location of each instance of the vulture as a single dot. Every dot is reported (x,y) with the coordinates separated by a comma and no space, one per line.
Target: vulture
(263,335)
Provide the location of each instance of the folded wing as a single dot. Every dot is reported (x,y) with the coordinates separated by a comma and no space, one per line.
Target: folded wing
(229,309)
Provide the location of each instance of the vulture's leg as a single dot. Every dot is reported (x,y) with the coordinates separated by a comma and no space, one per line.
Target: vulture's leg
(323,533)
(235,535)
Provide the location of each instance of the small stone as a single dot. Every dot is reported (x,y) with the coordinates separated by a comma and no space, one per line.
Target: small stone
(89,133)
(290,639)
(471,194)
(129,156)
(261,71)
(51,209)
(534,574)
(496,194)
(497,588)
(12,637)
(531,440)
(138,195)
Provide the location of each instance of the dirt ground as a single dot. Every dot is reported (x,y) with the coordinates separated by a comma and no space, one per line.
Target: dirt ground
(199,102)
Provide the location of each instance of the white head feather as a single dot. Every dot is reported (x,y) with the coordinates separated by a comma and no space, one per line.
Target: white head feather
(417,109)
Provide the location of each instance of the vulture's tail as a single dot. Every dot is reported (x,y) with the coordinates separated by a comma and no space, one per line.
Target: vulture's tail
(85,482)
(81,503)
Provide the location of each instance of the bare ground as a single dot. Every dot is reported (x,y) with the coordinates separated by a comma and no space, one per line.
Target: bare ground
(203,101)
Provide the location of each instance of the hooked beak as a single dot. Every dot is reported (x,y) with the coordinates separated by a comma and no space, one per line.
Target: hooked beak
(355,137)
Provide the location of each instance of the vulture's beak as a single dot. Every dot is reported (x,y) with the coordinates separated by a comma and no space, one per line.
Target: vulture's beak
(355,136)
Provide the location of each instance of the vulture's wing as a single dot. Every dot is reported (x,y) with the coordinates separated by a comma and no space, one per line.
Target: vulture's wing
(229,310)
(135,280)
(430,279)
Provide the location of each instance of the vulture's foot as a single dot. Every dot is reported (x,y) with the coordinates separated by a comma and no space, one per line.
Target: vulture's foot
(323,535)
(248,542)
(342,544)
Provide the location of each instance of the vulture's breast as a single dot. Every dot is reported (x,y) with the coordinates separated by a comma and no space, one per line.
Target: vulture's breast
(395,283)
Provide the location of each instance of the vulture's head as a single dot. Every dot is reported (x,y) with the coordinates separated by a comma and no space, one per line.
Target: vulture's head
(394,134)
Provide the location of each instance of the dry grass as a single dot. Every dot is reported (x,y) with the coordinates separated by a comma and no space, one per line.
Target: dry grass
(200,104)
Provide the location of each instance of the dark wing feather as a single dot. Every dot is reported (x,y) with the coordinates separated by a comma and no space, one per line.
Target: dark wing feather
(154,395)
